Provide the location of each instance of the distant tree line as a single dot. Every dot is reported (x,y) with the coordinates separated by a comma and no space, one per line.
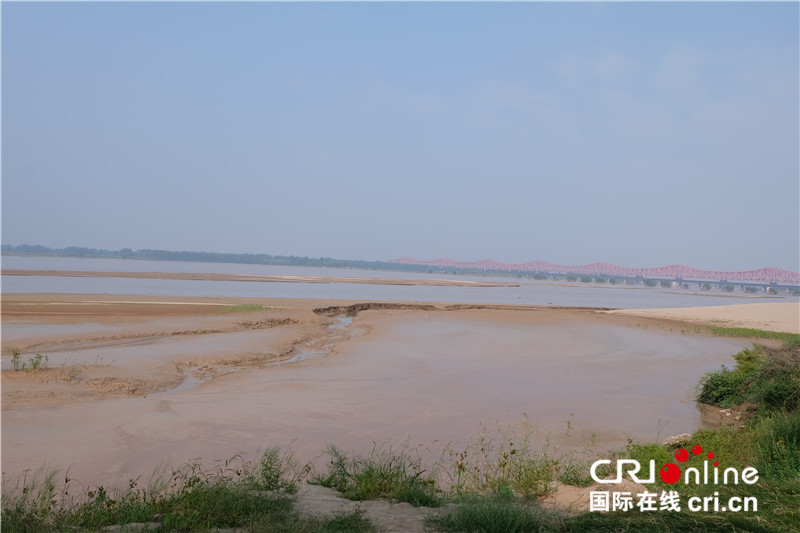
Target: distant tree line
(291,260)
(249,259)
(210,257)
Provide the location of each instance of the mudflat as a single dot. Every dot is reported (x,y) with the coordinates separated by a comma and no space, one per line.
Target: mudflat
(131,382)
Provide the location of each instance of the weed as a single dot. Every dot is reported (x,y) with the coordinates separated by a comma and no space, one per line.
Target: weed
(776,441)
(276,470)
(34,362)
(349,523)
(790,340)
(381,473)
(494,515)
(236,493)
(491,465)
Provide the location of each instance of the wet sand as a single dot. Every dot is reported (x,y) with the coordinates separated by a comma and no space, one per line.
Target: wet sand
(135,382)
(782,316)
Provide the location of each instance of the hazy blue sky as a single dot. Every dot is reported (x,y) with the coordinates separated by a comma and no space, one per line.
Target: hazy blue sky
(638,134)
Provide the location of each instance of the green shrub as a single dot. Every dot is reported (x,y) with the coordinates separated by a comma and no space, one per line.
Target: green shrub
(724,388)
(768,378)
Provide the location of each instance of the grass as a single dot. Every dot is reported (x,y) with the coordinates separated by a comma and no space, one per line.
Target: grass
(495,515)
(790,340)
(255,496)
(382,473)
(34,362)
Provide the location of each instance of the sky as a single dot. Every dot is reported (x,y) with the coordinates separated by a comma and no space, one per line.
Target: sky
(640,134)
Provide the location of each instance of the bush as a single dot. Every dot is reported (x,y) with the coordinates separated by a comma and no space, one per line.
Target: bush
(724,388)
(727,388)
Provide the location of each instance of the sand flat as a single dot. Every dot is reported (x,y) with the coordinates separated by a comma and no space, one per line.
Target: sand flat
(777,316)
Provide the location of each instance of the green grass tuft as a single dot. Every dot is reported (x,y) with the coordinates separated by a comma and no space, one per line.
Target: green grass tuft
(380,474)
(490,515)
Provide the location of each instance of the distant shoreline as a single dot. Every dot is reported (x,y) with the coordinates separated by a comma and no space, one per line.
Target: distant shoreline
(535,269)
(264,278)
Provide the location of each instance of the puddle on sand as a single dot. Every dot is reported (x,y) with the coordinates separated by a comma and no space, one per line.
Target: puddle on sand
(187,384)
(342,322)
(311,353)
(190,380)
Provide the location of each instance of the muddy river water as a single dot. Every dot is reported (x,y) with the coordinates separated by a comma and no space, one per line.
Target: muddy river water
(428,379)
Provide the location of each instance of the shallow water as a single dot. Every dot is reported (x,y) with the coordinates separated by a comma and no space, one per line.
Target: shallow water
(438,377)
(530,292)
(428,379)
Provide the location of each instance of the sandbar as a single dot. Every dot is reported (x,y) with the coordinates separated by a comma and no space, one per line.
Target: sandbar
(778,316)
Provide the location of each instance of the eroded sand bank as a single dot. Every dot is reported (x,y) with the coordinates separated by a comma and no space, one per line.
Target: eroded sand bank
(135,382)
